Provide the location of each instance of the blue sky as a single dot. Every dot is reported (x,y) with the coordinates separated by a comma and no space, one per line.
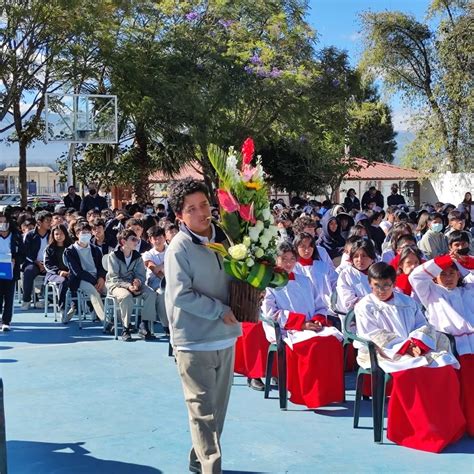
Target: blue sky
(336,23)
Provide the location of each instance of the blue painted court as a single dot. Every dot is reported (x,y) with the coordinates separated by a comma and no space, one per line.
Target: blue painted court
(77,401)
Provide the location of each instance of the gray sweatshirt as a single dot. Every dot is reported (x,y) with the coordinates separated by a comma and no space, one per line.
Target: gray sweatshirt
(121,275)
(197,291)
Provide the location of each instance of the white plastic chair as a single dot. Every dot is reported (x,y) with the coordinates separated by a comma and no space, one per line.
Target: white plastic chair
(52,289)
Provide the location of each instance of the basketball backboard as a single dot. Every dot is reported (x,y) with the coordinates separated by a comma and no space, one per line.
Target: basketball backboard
(81,118)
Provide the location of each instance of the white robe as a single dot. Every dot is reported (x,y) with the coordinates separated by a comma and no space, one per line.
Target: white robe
(352,285)
(298,296)
(450,311)
(390,324)
(323,277)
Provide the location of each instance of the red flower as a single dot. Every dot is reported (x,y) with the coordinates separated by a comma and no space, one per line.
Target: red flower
(246,212)
(227,201)
(248,150)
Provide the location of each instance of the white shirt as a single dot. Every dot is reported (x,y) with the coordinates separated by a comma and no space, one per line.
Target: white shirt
(44,244)
(5,245)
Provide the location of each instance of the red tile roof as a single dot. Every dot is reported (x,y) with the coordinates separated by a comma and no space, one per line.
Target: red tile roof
(380,171)
(192,170)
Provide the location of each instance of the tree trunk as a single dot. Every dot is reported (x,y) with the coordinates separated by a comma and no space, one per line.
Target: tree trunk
(22,145)
(141,187)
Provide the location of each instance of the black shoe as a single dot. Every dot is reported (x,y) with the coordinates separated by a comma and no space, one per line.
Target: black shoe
(126,336)
(109,328)
(195,466)
(256,384)
(146,335)
(274,381)
(166,331)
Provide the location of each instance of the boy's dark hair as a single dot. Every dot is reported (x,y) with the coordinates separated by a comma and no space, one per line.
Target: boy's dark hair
(171,226)
(180,189)
(382,271)
(285,247)
(97,222)
(458,236)
(133,221)
(356,231)
(29,221)
(300,237)
(161,207)
(364,244)
(392,209)
(435,215)
(405,238)
(302,222)
(155,231)
(92,211)
(43,215)
(82,225)
(125,234)
(456,216)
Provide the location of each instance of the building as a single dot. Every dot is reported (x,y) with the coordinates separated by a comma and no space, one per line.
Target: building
(382,176)
(41,180)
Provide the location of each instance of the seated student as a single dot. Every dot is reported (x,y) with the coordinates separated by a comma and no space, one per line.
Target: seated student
(424,410)
(390,246)
(449,301)
(404,263)
(300,313)
(85,268)
(331,239)
(126,279)
(114,226)
(26,226)
(98,233)
(154,261)
(137,226)
(170,231)
(11,250)
(284,224)
(433,243)
(322,276)
(457,222)
(352,283)
(92,215)
(56,270)
(35,242)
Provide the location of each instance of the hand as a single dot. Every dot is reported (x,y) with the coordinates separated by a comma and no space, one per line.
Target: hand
(137,283)
(312,326)
(229,318)
(99,286)
(40,265)
(63,274)
(414,350)
(458,258)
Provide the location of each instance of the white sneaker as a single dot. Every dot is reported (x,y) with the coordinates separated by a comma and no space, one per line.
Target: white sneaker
(5,327)
(25,305)
(39,305)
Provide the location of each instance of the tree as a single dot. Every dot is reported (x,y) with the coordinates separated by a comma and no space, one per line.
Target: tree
(433,70)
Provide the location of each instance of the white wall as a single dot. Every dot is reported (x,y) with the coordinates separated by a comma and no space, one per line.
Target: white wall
(448,188)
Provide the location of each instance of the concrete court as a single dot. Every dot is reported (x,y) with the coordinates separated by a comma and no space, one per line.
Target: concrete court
(80,402)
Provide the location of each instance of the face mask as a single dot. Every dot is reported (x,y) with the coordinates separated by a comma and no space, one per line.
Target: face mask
(464,251)
(85,238)
(4,226)
(436,227)
(149,210)
(92,192)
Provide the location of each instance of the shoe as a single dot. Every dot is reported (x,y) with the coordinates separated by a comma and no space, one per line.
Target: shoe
(5,327)
(126,336)
(256,384)
(274,381)
(39,305)
(195,466)
(25,306)
(145,333)
(109,328)
(166,331)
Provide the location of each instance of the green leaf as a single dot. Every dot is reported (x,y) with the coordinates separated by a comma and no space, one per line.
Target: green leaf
(231,225)
(218,159)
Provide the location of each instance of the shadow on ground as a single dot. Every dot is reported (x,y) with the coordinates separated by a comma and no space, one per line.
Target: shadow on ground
(67,458)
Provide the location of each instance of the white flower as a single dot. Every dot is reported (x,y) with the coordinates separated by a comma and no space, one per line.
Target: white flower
(266,214)
(259,225)
(238,252)
(254,233)
(273,230)
(247,241)
(264,241)
(272,219)
(250,262)
(259,253)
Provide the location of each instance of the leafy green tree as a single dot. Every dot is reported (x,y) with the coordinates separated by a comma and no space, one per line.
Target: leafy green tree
(432,68)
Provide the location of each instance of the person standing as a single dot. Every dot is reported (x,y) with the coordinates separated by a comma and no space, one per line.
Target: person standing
(72,200)
(395,199)
(92,201)
(202,325)
(372,196)
(351,201)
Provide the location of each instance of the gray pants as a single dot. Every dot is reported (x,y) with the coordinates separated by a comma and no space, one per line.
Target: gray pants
(206,377)
(95,297)
(125,302)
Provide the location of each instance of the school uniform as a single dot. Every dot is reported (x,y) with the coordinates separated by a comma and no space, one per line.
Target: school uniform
(424,410)
(452,312)
(290,307)
(352,285)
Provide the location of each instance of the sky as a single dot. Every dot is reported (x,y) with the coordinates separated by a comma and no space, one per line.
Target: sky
(336,23)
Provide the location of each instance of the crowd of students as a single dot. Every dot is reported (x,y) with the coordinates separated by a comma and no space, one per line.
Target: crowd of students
(408,275)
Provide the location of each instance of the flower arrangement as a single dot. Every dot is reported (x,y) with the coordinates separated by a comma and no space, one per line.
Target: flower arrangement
(245,217)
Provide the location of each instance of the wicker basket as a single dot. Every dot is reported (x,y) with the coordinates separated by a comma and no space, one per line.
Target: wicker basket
(245,301)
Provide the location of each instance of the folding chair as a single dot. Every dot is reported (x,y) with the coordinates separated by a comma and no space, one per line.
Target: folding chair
(51,289)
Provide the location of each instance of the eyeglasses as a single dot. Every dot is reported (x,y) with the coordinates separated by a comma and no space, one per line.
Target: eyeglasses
(385,287)
(134,239)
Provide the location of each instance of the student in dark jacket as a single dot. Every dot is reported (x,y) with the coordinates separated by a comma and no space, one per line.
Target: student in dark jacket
(11,249)
(372,196)
(35,242)
(351,201)
(395,199)
(98,236)
(137,226)
(72,200)
(56,270)
(85,268)
(92,201)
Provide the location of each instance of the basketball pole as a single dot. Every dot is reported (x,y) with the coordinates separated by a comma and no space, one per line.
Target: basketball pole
(70,163)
